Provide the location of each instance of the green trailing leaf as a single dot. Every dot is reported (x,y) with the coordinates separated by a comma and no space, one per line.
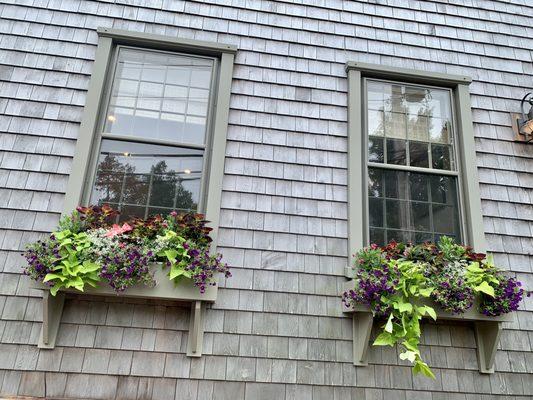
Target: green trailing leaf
(384,339)
(388,326)
(426,292)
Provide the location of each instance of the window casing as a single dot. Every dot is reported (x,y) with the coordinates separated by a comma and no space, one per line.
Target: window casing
(155,109)
(468,223)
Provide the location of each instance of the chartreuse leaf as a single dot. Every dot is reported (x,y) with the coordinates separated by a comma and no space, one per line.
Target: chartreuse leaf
(426,292)
(50,277)
(484,287)
(384,339)
(404,307)
(388,326)
(408,355)
(421,367)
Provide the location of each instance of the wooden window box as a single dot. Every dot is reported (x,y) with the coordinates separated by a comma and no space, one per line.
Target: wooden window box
(165,289)
(487,331)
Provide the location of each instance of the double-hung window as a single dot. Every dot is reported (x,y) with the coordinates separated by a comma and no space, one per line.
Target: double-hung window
(156,109)
(412,173)
(412,166)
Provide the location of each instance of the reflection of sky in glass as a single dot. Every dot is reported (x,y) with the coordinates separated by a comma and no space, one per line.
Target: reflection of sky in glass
(407,116)
(159,95)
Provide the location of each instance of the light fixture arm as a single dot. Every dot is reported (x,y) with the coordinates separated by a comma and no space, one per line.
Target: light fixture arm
(530,101)
(526,122)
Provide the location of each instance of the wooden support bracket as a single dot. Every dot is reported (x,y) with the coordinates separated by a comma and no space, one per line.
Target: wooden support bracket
(52,312)
(487,337)
(196,330)
(362,327)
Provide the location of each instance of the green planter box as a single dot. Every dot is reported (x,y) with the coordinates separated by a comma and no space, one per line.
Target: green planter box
(185,291)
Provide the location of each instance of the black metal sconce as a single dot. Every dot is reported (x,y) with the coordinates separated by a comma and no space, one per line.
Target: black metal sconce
(523,123)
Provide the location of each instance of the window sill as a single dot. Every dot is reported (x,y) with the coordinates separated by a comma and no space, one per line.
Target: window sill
(487,331)
(184,291)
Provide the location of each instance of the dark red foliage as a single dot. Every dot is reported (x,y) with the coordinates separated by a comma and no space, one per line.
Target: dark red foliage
(97,216)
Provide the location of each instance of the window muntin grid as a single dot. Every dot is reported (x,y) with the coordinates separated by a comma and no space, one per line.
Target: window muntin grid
(409,125)
(160,95)
(145,165)
(410,138)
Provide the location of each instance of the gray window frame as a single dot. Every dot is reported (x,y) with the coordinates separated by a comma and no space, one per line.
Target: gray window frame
(469,195)
(89,136)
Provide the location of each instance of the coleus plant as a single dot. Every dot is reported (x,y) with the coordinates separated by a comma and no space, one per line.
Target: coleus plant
(396,281)
(89,248)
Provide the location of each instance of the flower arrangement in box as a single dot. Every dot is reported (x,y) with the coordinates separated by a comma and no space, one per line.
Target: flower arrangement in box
(89,249)
(394,281)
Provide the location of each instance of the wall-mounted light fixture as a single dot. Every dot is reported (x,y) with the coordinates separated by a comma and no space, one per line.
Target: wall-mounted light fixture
(523,123)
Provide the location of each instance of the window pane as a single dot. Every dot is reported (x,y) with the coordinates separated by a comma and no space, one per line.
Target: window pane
(441,156)
(375,182)
(375,207)
(159,95)
(418,154)
(396,152)
(395,125)
(141,179)
(412,113)
(375,123)
(375,150)
(417,206)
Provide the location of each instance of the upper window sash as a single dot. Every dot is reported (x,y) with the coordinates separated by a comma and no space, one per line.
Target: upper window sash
(90,127)
(357,160)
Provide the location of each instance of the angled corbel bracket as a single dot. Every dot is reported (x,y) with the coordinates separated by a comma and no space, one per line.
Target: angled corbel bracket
(362,327)
(52,312)
(487,337)
(196,329)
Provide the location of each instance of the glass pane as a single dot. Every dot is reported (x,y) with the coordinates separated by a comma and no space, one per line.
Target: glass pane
(375,182)
(418,154)
(420,216)
(443,189)
(142,179)
(376,95)
(417,206)
(396,152)
(160,96)
(438,130)
(441,156)
(396,214)
(417,127)
(377,236)
(418,184)
(444,219)
(439,103)
(375,207)
(375,123)
(415,100)
(395,125)
(375,150)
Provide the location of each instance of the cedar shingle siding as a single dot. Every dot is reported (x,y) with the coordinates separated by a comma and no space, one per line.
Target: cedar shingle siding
(276,330)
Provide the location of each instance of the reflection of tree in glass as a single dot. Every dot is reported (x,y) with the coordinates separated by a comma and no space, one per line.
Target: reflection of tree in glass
(168,190)
(117,183)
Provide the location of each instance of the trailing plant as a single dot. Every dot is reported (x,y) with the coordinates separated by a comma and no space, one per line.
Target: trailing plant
(90,247)
(397,280)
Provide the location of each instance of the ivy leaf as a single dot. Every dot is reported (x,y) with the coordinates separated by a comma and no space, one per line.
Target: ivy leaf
(384,339)
(485,288)
(388,325)
(171,254)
